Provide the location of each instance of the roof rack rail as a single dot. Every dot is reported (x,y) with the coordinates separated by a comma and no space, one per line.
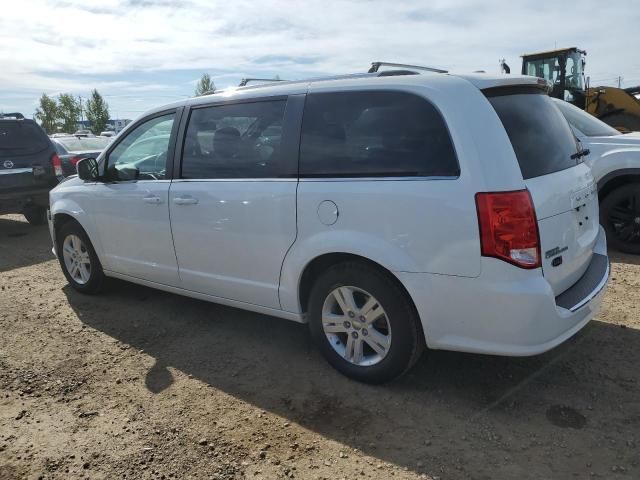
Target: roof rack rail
(16,115)
(376,65)
(244,81)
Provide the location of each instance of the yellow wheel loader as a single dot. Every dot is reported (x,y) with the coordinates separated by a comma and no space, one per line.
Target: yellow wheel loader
(564,69)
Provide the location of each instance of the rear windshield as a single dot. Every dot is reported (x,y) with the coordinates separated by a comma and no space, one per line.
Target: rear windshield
(540,135)
(83,144)
(21,138)
(584,122)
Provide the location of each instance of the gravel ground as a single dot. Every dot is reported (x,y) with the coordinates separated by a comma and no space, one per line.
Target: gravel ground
(137,383)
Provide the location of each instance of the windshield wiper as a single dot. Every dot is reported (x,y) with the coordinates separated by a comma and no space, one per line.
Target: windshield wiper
(580,154)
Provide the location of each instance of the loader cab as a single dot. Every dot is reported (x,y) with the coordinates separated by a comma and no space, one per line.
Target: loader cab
(563,68)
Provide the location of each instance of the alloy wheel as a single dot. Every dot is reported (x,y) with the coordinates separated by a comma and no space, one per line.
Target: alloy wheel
(624,219)
(356,326)
(76,259)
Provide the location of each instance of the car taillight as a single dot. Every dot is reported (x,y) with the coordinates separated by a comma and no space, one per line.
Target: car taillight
(75,160)
(57,165)
(508,227)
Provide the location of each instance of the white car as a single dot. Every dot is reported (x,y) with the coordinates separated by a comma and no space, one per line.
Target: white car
(389,211)
(615,164)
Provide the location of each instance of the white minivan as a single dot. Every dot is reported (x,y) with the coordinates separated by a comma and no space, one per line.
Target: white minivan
(390,211)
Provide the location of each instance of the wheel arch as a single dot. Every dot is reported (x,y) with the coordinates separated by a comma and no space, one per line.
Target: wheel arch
(322,262)
(61,214)
(616,179)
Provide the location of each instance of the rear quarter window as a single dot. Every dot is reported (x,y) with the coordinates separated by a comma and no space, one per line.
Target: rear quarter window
(21,138)
(374,134)
(541,137)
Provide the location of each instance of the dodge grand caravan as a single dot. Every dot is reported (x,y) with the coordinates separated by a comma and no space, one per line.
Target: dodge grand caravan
(391,212)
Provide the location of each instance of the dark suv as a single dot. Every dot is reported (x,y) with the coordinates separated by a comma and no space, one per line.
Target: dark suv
(29,168)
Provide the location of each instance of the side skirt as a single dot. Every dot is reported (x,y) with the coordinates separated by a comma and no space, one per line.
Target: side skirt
(296,317)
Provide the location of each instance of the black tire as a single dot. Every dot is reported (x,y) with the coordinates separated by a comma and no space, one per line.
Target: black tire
(407,340)
(619,212)
(96,278)
(35,215)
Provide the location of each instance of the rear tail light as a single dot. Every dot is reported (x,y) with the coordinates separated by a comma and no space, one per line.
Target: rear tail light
(508,228)
(57,165)
(75,160)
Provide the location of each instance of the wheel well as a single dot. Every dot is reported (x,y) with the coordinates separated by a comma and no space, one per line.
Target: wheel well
(61,219)
(616,182)
(319,264)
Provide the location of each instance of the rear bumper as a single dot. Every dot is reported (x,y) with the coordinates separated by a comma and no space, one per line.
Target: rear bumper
(506,310)
(20,187)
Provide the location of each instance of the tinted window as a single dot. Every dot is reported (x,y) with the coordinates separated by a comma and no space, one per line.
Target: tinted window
(364,134)
(585,123)
(142,153)
(540,135)
(234,141)
(21,138)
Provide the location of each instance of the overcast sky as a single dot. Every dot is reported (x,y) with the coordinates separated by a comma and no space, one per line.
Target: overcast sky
(143,53)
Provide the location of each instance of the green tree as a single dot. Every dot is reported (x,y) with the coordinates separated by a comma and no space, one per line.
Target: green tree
(204,85)
(47,113)
(97,112)
(68,112)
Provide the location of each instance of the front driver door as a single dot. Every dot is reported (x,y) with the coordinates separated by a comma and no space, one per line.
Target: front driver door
(131,206)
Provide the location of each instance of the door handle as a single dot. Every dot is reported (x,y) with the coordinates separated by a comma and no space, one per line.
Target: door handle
(152,200)
(185,200)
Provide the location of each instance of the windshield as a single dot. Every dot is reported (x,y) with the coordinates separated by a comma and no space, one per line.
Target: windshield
(547,68)
(84,144)
(550,68)
(583,122)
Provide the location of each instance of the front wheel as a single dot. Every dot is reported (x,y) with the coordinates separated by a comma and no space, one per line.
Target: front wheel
(78,259)
(620,217)
(364,323)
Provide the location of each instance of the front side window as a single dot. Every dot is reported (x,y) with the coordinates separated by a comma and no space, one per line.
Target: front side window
(142,154)
(234,141)
(374,134)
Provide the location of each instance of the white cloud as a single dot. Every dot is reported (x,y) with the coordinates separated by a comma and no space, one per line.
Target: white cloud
(46,44)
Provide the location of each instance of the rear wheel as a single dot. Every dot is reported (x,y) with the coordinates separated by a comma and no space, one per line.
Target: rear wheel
(78,259)
(363,323)
(35,215)
(620,217)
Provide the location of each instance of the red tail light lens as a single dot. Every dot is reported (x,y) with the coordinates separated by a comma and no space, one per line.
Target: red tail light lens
(508,228)
(75,160)
(57,165)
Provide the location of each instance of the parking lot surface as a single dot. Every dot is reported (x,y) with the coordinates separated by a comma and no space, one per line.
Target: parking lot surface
(137,383)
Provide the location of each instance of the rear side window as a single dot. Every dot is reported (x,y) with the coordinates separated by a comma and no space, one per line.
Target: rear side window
(234,141)
(372,134)
(21,138)
(540,135)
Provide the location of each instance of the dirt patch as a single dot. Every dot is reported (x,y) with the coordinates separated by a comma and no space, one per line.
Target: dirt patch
(137,383)
(565,417)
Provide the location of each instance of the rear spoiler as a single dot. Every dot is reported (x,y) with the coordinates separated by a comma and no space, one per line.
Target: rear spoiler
(516,90)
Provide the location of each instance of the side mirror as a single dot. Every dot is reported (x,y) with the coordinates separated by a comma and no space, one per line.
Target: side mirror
(88,169)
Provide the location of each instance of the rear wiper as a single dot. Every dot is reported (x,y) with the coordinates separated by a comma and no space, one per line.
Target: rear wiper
(580,154)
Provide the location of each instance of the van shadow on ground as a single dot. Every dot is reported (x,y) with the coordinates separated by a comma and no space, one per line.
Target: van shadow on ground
(478,416)
(21,244)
